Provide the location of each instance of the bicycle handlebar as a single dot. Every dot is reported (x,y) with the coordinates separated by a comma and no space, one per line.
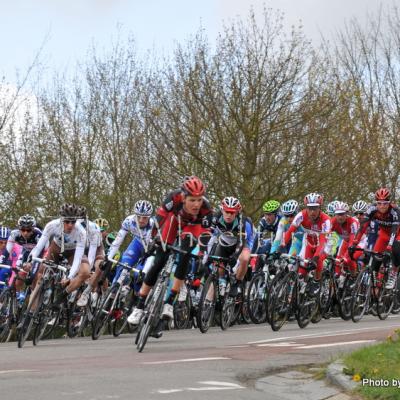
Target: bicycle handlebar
(49,263)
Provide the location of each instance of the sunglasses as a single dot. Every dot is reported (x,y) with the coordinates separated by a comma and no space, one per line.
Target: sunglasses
(358,213)
(382,203)
(69,222)
(25,230)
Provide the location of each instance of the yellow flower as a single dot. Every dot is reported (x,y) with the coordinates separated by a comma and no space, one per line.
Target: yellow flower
(375,370)
(357,378)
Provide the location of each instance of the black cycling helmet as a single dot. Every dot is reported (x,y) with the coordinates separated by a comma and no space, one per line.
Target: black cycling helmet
(26,221)
(69,211)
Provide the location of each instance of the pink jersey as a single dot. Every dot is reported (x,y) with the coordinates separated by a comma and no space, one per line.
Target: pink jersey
(14,257)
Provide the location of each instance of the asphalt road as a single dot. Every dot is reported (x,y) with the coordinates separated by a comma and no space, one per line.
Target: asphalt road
(217,365)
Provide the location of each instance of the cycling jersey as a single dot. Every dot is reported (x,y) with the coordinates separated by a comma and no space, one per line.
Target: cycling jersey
(296,242)
(130,225)
(27,244)
(241,226)
(10,258)
(388,226)
(75,241)
(94,241)
(314,239)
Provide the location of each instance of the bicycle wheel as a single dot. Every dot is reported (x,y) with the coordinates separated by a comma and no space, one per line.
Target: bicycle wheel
(48,318)
(385,301)
(270,293)
(256,299)
(182,312)
(227,309)
(345,298)
(103,315)
(6,315)
(120,315)
(281,301)
(325,298)
(307,307)
(75,316)
(361,295)
(25,326)
(151,318)
(206,308)
(396,297)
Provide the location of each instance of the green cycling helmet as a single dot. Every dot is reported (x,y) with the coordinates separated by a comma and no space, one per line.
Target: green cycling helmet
(110,238)
(271,206)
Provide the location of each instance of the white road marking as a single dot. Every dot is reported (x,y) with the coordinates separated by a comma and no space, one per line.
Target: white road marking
(170,391)
(316,335)
(214,385)
(316,346)
(13,371)
(185,360)
(237,346)
(280,344)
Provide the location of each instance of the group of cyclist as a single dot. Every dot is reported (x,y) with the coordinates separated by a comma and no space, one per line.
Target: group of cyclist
(186,218)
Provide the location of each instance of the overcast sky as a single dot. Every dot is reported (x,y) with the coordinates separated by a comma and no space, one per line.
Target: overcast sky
(72,25)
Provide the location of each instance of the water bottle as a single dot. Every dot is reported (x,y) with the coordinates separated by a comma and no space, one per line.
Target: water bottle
(222,286)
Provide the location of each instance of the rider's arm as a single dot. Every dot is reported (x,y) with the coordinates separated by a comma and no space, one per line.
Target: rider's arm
(278,237)
(41,244)
(79,252)
(116,243)
(287,236)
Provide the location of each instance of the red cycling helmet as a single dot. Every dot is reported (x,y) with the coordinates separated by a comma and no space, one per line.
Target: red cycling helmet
(382,194)
(193,186)
(231,204)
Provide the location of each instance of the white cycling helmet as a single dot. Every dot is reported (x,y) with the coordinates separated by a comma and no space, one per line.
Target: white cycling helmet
(360,206)
(143,208)
(340,207)
(313,199)
(290,207)
(330,208)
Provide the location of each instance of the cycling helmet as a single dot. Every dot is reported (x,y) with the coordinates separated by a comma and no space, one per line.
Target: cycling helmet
(382,194)
(193,186)
(313,199)
(231,204)
(143,208)
(69,211)
(4,233)
(26,221)
(360,206)
(290,207)
(110,238)
(82,212)
(271,206)
(340,207)
(102,223)
(330,208)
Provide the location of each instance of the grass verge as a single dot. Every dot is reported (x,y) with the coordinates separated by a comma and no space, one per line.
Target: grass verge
(377,368)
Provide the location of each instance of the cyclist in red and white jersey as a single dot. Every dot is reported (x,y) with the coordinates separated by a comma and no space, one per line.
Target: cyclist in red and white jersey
(316,225)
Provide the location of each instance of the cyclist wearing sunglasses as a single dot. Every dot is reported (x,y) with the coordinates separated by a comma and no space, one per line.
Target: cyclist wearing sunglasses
(67,238)
(27,235)
(387,217)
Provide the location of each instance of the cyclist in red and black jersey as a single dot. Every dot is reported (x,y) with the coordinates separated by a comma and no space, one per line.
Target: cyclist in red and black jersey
(387,216)
(184,214)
